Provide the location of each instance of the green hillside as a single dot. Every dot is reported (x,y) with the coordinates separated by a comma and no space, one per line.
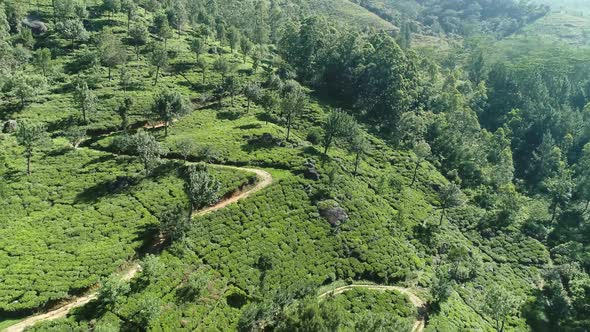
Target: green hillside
(293,166)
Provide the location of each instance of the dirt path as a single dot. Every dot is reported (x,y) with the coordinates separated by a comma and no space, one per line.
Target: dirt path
(264,180)
(416,301)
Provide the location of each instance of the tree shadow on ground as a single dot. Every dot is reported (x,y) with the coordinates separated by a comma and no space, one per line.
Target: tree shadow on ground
(120,184)
(228,115)
(249,126)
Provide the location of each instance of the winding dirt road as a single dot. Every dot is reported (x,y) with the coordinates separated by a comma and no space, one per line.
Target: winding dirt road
(416,301)
(264,180)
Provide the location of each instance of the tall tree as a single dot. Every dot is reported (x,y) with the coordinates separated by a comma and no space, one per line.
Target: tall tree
(449,197)
(42,60)
(112,51)
(138,35)
(85,100)
(202,189)
(169,106)
(269,101)
(246,47)
(338,124)
(30,136)
(559,189)
(72,30)
(359,146)
(145,146)
(27,86)
(231,85)
(222,66)
(198,47)
(130,9)
(252,92)
(233,37)
(111,6)
(292,105)
(499,304)
(202,65)
(123,111)
(159,59)
(163,29)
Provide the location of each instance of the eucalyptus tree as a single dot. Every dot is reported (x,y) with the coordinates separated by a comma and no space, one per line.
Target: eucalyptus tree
(85,100)
(168,106)
(449,197)
(42,60)
(202,188)
(138,36)
(159,59)
(338,124)
(292,105)
(252,92)
(30,136)
(112,51)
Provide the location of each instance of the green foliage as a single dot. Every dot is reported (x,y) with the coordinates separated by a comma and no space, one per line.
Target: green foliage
(85,100)
(338,125)
(112,52)
(72,30)
(112,289)
(201,188)
(158,59)
(30,136)
(169,106)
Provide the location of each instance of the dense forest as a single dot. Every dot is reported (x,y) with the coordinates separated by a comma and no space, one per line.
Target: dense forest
(304,165)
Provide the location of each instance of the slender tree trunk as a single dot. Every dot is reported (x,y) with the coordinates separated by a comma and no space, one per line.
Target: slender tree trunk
(203,76)
(110,73)
(327,146)
(29,156)
(442,215)
(84,115)
(288,127)
(165,128)
(415,174)
(357,161)
(157,73)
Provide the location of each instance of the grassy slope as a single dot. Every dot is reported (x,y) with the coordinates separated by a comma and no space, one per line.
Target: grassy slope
(381,240)
(350,14)
(75,220)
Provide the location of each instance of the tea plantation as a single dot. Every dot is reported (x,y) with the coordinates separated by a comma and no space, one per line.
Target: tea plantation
(82,215)
(138,114)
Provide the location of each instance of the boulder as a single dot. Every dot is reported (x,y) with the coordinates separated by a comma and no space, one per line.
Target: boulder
(312,174)
(9,126)
(333,212)
(37,27)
